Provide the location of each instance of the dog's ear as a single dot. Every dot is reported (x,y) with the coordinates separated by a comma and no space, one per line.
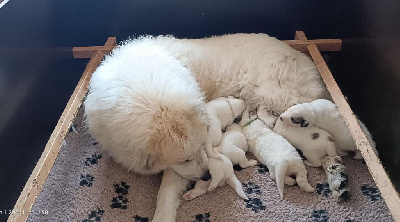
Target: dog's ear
(150,162)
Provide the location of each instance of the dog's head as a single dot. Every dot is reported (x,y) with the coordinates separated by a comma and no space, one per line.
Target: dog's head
(247,117)
(301,115)
(238,105)
(178,140)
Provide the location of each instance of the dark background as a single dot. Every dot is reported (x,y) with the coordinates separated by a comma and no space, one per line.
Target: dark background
(38,73)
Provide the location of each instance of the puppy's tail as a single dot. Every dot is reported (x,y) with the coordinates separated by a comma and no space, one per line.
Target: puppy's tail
(280,172)
(235,184)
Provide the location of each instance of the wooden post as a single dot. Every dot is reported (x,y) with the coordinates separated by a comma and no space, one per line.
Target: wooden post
(300,43)
(375,167)
(39,174)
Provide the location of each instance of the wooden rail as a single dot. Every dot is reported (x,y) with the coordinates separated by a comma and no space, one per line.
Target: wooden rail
(311,47)
(39,174)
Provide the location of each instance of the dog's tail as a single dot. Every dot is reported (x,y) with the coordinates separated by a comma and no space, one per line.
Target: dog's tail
(235,184)
(280,172)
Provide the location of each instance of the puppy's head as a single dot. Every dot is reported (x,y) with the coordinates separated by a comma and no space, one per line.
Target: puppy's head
(301,115)
(238,105)
(248,116)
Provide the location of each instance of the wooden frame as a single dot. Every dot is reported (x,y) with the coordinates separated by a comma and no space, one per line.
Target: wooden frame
(311,47)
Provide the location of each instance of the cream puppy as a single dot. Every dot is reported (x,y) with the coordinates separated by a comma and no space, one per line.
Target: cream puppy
(324,114)
(314,142)
(274,151)
(221,112)
(234,146)
(221,171)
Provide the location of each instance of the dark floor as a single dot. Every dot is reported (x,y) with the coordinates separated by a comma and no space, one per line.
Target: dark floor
(38,73)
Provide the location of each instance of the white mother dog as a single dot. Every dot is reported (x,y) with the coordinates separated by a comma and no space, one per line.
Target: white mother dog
(146,102)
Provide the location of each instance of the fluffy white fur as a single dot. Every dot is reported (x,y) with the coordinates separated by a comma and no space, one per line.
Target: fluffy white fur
(275,152)
(146,109)
(221,112)
(199,189)
(234,146)
(314,142)
(221,170)
(324,114)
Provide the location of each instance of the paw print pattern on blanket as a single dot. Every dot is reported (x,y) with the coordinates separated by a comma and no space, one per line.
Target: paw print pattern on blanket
(251,188)
(262,169)
(350,220)
(94,215)
(86,180)
(202,217)
(92,160)
(323,189)
(255,204)
(319,216)
(141,219)
(120,201)
(371,192)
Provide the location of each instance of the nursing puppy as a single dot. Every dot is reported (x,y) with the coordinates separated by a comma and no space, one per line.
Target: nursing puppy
(314,142)
(221,171)
(324,114)
(274,151)
(221,112)
(234,146)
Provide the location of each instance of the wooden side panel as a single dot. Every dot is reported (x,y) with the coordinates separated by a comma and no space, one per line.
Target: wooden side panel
(39,174)
(300,36)
(375,167)
(322,44)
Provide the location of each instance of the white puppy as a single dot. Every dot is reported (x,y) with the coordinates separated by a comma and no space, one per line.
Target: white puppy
(314,142)
(221,171)
(234,146)
(221,112)
(274,151)
(324,114)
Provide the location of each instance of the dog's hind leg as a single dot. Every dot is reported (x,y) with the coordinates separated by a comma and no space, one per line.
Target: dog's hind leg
(243,161)
(313,162)
(210,150)
(331,149)
(302,181)
(289,181)
(237,186)
(357,155)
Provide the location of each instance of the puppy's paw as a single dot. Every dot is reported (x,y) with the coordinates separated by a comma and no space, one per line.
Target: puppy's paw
(188,195)
(253,162)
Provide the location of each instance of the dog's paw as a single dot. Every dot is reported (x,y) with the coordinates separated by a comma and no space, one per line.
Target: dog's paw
(188,195)
(210,189)
(309,189)
(253,162)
